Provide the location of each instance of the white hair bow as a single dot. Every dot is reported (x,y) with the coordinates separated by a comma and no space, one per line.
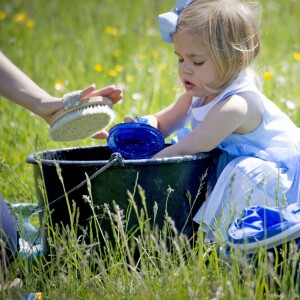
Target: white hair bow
(167,22)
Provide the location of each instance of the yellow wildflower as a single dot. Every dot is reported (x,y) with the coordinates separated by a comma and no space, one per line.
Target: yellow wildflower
(155,53)
(142,56)
(3,15)
(296,56)
(112,73)
(267,75)
(59,86)
(129,78)
(21,17)
(98,68)
(111,30)
(30,24)
(162,66)
(119,68)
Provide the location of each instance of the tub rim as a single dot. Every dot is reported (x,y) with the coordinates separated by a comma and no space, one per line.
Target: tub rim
(33,158)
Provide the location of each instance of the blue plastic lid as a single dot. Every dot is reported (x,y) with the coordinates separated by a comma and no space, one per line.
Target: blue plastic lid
(135,140)
(268,226)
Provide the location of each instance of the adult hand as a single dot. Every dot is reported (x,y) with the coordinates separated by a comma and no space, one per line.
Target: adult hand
(50,105)
(112,92)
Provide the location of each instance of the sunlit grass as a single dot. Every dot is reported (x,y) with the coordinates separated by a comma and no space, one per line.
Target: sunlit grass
(67,45)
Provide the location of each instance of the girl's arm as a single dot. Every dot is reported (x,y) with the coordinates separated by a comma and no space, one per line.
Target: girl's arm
(170,118)
(234,115)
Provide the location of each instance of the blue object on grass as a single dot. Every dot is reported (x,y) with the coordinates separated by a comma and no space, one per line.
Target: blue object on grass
(135,140)
(31,296)
(28,225)
(265,226)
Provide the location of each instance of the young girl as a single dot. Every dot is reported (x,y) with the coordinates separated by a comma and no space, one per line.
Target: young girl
(216,41)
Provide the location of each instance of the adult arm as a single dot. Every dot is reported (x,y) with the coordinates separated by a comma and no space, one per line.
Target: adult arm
(16,86)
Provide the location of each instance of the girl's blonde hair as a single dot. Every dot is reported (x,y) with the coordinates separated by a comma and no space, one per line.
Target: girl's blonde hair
(230,30)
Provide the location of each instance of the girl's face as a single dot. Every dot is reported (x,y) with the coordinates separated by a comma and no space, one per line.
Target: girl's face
(196,69)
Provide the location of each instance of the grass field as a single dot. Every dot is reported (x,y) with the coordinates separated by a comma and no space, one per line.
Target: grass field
(67,45)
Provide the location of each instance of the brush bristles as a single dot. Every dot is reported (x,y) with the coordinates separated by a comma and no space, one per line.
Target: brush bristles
(82,123)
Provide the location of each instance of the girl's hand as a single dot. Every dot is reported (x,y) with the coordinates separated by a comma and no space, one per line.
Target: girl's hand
(152,121)
(104,134)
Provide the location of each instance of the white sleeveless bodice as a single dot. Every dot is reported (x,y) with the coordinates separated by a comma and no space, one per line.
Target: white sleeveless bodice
(275,135)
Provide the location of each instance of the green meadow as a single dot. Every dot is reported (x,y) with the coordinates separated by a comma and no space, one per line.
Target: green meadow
(67,45)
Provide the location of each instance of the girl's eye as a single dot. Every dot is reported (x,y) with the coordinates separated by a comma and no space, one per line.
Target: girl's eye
(180,60)
(198,63)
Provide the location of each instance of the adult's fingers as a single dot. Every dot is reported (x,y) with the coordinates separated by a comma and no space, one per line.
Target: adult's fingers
(112,92)
(101,135)
(87,91)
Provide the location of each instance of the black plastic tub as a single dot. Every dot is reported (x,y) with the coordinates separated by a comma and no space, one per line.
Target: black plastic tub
(162,179)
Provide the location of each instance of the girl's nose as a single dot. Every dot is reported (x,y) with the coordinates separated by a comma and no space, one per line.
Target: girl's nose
(185,68)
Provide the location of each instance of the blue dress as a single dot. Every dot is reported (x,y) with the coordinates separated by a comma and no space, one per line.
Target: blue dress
(257,168)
